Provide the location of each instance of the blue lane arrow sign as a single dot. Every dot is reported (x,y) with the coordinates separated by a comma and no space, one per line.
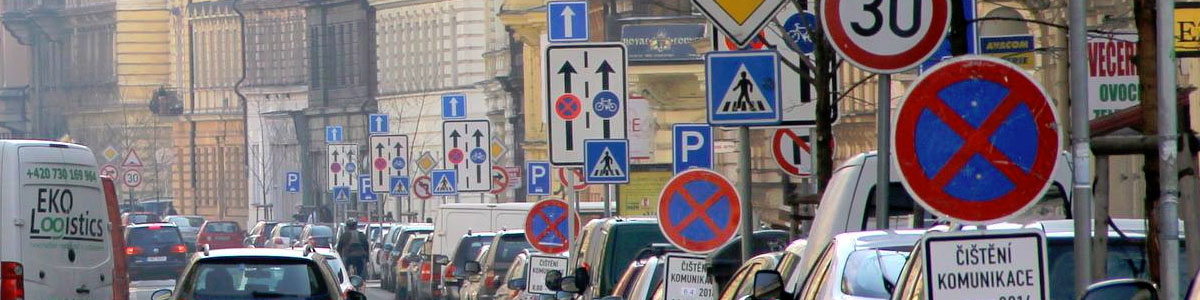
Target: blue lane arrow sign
(378,124)
(568,21)
(454,106)
(333,134)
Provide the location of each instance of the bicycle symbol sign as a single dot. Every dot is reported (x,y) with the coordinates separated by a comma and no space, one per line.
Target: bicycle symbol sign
(606,105)
(478,156)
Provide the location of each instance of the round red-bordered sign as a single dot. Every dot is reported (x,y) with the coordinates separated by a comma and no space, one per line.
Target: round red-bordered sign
(500,180)
(976,140)
(568,107)
(422,187)
(850,41)
(699,210)
(545,226)
(787,140)
(577,172)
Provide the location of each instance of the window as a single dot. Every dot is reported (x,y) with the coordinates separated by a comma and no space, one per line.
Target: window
(813,286)
(869,273)
(257,278)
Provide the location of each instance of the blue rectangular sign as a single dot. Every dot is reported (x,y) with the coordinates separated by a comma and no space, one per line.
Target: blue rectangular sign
(537,174)
(454,106)
(334,134)
(606,161)
(399,186)
(692,146)
(743,88)
(292,185)
(568,21)
(378,124)
(445,182)
(365,192)
(341,194)
(943,52)
(662,42)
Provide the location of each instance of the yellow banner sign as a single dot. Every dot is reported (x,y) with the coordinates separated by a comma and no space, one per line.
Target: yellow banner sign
(639,198)
(1187,29)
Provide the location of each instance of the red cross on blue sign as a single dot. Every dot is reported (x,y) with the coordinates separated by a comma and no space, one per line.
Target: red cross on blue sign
(976,140)
(546,226)
(699,210)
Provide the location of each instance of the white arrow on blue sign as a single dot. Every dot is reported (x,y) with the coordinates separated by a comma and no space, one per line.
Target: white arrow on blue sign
(378,124)
(365,192)
(454,106)
(293,182)
(568,21)
(537,174)
(333,134)
(692,146)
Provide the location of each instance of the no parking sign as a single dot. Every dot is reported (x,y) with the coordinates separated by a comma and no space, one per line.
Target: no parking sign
(546,226)
(699,210)
(976,140)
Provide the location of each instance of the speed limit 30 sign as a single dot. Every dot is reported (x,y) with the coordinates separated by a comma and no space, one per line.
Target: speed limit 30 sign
(885,36)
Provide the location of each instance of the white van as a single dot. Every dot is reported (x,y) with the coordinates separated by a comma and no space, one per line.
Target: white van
(55,241)
(455,219)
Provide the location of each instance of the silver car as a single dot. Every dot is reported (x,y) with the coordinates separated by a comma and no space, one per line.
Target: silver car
(189,226)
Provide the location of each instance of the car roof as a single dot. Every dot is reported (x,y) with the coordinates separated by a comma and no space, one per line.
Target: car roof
(880,239)
(511,232)
(618,221)
(255,252)
(144,225)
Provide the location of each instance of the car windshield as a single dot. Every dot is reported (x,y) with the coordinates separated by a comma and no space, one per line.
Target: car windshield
(153,236)
(221,227)
(416,246)
(1126,259)
(510,246)
(257,280)
(291,231)
(187,221)
(873,273)
(469,248)
(627,241)
(142,218)
(335,266)
(321,231)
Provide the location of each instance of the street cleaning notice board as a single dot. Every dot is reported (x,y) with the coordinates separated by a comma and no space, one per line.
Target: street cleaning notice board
(1006,265)
(539,266)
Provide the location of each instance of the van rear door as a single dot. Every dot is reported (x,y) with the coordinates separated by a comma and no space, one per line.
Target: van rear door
(66,245)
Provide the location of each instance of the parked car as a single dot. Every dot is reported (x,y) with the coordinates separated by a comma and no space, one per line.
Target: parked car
(221,235)
(505,247)
(319,236)
(641,279)
(517,280)
(131,218)
(741,284)
(724,261)
(257,236)
(467,248)
(403,233)
(337,266)
(258,274)
(154,251)
(381,249)
(425,273)
(283,235)
(404,283)
(859,265)
(189,226)
(607,247)
(457,219)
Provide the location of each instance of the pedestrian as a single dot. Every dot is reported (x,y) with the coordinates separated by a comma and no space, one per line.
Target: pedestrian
(352,246)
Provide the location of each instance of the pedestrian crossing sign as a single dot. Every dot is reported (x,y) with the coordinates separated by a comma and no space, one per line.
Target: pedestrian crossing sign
(445,182)
(607,161)
(399,186)
(744,88)
(341,194)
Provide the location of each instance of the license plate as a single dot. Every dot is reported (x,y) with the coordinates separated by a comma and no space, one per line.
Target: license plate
(156,258)
(221,238)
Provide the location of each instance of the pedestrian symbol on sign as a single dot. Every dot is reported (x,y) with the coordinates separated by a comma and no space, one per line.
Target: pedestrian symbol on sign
(744,96)
(607,161)
(607,166)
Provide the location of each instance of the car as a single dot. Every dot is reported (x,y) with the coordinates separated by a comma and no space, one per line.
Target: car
(284,235)
(319,236)
(1126,257)
(641,279)
(221,235)
(338,267)
(258,274)
(403,232)
(425,274)
(858,265)
(741,285)
(456,219)
(517,280)
(723,262)
(380,233)
(257,236)
(608,246)
(154,251)
(131,218)
(37,257)
(468,247)
(381,248)
(404,283)
(505,247)
(189,226)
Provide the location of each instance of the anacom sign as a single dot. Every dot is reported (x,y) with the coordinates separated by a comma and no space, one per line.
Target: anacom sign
(1009,264)
(1113,75)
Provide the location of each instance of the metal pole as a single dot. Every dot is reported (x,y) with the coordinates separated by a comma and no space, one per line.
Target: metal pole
(1081,205)
(883,159)
(1100,220)
(611,190)
(744,191)
(571,211)
(1168,171)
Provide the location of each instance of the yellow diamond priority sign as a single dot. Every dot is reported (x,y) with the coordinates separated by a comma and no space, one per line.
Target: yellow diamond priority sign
(740,19)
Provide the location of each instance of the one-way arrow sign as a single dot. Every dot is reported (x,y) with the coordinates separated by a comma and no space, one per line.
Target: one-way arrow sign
(578,77)
(467,149)
(389,157)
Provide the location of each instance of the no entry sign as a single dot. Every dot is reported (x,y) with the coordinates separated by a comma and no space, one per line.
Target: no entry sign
(699,210)
(976,140)
(885,36)
(546,226)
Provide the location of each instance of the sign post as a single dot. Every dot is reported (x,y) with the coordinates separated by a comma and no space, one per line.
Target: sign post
(741,20)
(692,147)
(538,178)
(792,151)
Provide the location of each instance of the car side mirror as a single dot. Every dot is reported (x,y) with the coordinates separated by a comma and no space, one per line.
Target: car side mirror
(768,284)
(355,295)
(472,267)
(517,284)
(1122,289)
(569,284)
(441,260)
(356,281)
(553,280)
(583,278)
(163,294)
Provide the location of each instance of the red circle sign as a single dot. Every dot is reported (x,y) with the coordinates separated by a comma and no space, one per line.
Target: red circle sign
(422,188)
(109,171)
(577,173)
(699,210)
(792,152)
(976,140)
(869,37)
(568,107)
(545,226)
(500,180)
(455,156)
